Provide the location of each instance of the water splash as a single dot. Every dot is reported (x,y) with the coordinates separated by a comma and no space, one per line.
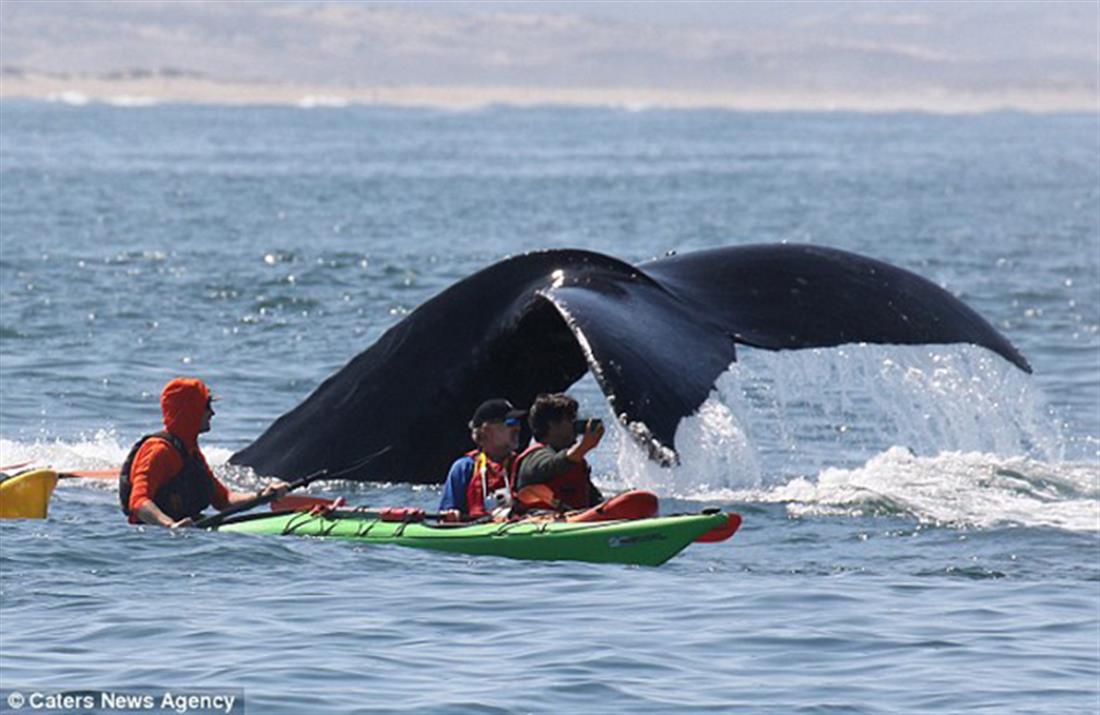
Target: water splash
(99,451)
(839,406)
(715,452)
(821,430)
(958,489)
(774,416)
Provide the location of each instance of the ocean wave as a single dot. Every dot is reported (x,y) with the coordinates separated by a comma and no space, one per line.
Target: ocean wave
(75,98)
(98,451)
(132,101)
(322,101)
(72,98)
(955,489)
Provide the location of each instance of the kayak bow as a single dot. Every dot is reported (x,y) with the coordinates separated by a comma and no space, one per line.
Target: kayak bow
(27,495)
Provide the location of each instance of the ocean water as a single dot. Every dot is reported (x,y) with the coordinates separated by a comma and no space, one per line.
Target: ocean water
(922,524)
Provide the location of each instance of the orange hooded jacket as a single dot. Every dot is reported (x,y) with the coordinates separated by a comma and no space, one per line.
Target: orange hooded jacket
(183,403)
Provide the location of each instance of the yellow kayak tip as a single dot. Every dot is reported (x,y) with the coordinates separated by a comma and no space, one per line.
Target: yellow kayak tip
(27,495)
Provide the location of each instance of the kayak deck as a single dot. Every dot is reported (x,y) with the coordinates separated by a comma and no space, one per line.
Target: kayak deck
(647,542)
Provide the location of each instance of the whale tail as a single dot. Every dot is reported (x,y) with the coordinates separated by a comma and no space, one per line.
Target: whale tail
(656,337)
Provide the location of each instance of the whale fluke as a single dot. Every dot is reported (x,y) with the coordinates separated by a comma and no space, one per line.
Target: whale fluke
(656,336)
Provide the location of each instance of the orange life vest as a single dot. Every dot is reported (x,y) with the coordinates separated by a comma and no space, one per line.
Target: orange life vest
(571,489)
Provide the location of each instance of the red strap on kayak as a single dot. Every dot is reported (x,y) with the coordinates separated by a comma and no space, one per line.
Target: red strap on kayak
(295,502)
(402,513)
(326,508)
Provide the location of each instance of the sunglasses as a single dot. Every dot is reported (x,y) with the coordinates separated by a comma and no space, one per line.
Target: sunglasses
(509,422)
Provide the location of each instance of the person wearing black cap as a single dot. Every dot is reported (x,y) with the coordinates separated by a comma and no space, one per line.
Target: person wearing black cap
(478,482)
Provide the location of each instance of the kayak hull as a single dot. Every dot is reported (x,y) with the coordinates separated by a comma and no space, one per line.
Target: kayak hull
(27,495)
(646,542)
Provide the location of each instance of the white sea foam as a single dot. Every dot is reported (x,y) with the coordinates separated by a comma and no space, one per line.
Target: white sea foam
(774,416)
(132,100)
(80,99)
(820,430)
(75,99)
(329,101)
(953,488)
(968,489)
(714,453)
(100,451)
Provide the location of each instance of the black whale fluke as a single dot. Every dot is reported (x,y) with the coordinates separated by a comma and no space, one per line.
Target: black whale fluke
(656,337)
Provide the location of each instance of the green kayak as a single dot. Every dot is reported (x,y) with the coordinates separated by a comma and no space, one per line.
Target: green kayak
(648,542)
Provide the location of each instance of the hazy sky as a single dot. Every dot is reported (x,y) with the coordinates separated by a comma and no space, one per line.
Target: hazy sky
(864,46)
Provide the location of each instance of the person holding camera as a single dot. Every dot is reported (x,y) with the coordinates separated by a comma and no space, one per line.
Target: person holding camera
(478,482)
(557,458)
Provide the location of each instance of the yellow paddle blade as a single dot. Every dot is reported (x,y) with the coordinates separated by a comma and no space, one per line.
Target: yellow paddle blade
(27,496)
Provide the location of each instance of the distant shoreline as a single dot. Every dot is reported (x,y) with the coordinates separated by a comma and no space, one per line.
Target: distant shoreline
(150,89)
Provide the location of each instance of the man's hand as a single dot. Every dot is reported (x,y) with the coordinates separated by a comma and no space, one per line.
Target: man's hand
(150,513)
(593,433)
(277,487)
(181,523)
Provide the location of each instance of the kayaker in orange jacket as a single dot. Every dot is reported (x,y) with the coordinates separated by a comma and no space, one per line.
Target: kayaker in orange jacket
(165,479)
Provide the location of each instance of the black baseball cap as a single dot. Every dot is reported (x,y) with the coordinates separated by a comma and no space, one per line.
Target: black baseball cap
(493,410)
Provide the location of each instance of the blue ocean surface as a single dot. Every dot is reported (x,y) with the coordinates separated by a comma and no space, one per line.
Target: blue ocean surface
(921,524)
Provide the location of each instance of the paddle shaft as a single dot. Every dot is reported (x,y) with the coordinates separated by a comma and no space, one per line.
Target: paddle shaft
(90,474)
(216,519)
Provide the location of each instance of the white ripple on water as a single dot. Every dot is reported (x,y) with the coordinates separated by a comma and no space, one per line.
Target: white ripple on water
(98,449)
(101,450)
(966,489)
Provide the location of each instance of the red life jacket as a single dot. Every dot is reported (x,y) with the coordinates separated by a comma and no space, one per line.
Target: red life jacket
(571,489)
(488,477)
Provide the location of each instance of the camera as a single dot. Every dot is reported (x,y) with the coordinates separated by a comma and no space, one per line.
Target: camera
(579,426)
